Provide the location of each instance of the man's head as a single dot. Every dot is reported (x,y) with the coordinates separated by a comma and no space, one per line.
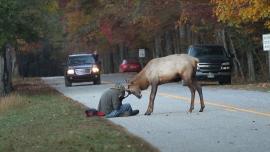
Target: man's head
(121,88)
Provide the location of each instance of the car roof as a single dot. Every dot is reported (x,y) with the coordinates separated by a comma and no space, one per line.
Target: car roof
(206,45)
(131,60)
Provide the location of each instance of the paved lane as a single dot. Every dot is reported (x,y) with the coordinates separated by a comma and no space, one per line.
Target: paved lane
(234,120)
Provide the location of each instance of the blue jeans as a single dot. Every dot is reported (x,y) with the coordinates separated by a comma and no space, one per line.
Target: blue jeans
(123,109)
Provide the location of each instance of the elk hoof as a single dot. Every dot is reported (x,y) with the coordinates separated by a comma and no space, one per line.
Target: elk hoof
(147,113)
(201,110)
(190,109)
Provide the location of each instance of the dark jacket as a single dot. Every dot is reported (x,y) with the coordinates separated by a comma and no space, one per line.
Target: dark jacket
(111,100)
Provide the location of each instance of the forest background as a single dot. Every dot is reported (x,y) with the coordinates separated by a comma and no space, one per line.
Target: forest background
(36,36)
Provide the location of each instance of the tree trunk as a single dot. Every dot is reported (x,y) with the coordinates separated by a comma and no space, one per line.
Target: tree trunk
(168,43)
(260,61)
(251,69)
(224,40)
(189,35)
(122,51)
(235,59)
(183,39)
(176,41)
(111,63)
(268,61)
(6,71)
(2,90)
(158,48)
(117,59)
(225,44)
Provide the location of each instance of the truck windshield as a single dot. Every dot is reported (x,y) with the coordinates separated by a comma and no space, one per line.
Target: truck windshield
(81,60)
(207,51)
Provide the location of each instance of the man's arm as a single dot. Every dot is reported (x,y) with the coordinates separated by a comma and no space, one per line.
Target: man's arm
(117,102)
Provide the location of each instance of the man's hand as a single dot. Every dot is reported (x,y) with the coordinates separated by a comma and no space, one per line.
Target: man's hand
(121,98)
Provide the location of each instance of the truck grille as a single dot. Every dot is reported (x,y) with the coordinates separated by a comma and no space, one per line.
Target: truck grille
(82,71)
(209,67)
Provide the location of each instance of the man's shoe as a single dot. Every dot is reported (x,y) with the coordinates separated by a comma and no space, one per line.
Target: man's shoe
(125,114)
(134,112)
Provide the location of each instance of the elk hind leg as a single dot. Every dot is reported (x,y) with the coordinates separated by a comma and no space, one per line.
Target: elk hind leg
(192,91)
(199,90)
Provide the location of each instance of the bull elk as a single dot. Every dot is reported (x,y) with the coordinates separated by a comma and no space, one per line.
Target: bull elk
(163,70)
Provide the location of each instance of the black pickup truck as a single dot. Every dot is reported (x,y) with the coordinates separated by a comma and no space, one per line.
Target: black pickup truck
(82,68)
(214,63)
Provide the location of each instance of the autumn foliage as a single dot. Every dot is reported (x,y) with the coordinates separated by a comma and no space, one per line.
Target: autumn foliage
(166,26)
(237,12)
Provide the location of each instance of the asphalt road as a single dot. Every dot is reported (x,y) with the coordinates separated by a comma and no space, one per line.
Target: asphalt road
(233,120)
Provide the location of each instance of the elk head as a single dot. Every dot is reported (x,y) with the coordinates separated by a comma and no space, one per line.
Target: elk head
(134,89)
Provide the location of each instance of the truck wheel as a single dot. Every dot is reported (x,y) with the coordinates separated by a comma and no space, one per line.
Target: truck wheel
(225,81)
(67,83)
(97,81)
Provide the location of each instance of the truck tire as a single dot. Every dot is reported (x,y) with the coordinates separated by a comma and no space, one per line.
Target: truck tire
(225,81)
(67,83)
(97,81)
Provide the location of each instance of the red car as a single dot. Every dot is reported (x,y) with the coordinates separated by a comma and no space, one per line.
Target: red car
(130,65)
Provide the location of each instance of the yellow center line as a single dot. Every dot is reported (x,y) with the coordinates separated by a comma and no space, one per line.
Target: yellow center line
(226,107)
(231,110)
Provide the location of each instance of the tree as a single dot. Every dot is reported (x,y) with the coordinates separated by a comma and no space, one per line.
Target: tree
(162,26)
(248,19)
(241,12)
(26,21)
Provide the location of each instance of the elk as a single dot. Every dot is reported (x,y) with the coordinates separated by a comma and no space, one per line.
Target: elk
(163,70)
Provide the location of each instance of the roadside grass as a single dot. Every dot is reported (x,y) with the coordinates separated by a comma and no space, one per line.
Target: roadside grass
(256,86)
(36,118)
(264,87)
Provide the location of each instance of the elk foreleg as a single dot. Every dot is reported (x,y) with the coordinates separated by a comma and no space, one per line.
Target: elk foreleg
(152,99)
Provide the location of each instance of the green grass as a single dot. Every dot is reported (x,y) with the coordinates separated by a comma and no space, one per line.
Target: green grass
(38,119)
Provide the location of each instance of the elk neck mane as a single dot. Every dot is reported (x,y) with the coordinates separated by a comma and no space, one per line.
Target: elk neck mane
(141,80)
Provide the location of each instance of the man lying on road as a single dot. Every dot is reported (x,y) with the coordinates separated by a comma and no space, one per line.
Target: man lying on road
(111,103)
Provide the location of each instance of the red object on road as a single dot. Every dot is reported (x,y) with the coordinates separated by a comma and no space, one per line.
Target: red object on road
(130,65)
(93,112)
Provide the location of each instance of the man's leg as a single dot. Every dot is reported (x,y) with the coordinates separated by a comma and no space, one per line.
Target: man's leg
(114,113)
(125,109)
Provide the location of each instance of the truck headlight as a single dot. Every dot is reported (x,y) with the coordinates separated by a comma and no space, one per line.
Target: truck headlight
(95,69)
(225,66)
(198,67)
(70,71)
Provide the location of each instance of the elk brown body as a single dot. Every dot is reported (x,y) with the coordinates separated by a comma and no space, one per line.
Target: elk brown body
(167,69)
